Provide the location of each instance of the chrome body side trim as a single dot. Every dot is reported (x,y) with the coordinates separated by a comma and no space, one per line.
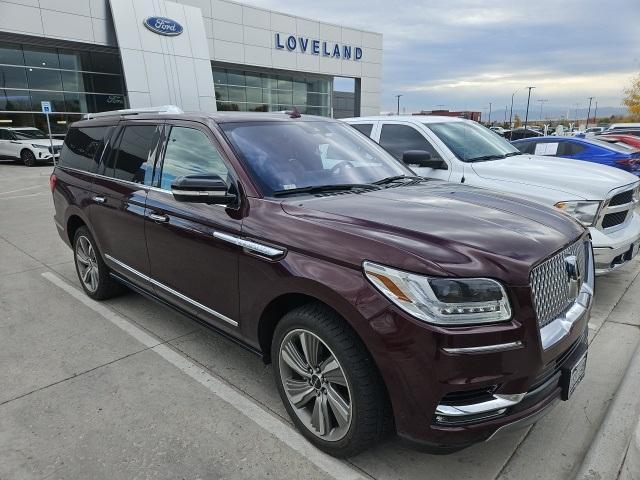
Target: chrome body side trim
(250,245)
(498,402)
(500,347)
(171,291)
(560,327)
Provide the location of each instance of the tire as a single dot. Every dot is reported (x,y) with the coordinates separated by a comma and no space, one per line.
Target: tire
(98,285)
(28,158)
(363,394)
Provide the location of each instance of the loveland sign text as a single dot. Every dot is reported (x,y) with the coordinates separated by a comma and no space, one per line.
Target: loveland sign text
(293,43)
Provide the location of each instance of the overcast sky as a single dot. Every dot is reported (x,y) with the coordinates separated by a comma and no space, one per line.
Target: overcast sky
(464,54)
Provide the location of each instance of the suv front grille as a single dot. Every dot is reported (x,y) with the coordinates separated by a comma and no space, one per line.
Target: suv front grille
(615,210)
(613,219)
(621,198)
(549,285)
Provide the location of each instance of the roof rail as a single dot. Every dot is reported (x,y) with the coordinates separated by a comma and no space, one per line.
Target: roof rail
(134,111)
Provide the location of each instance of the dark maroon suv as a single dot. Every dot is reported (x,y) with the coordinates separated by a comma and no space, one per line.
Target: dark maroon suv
(386,301)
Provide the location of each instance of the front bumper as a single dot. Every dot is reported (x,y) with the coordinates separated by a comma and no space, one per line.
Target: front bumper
(613,250)
(451,388)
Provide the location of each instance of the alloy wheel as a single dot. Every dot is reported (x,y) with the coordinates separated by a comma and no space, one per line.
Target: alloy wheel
(315,385)
(87,263)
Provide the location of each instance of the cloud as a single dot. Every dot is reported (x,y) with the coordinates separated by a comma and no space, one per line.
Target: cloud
(466,53)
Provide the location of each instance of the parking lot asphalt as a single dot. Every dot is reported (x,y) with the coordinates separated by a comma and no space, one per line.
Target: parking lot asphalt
(130,389)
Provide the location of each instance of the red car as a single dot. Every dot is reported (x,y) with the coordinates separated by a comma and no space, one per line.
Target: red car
(625,140)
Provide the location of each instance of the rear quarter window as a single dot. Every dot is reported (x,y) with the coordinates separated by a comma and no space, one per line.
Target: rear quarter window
(82,148)
(365,128)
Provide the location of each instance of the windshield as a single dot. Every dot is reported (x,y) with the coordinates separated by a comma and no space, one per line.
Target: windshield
(29,134)
(292,155)
(471,142)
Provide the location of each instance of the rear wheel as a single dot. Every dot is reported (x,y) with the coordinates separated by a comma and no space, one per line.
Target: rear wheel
(328,382)
(28,158)
(93,273)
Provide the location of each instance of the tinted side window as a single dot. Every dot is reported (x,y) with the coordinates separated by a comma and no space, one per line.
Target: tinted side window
(132,160)
(189,151)
(397,139)
(571,148)
(526,147)
(364,128)
(5,135)
(82,148)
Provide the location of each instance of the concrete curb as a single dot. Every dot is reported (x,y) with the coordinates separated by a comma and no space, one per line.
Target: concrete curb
(606,455)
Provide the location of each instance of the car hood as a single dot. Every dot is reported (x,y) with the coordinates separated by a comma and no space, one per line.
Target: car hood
(580,179)
(444,228)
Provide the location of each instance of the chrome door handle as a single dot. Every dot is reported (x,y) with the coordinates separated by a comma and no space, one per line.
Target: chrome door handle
(99,199)
(158,218)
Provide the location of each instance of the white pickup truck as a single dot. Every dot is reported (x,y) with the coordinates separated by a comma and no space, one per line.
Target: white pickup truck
(600,197)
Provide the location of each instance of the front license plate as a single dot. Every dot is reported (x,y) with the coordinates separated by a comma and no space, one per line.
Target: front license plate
(574,377)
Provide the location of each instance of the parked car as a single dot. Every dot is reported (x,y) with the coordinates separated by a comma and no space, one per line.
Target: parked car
(593,131)
(623,126)
(499,130)
(622,131)
(462,151)
(622,140)
(520,132)
(587,149)
(385,300)
(28,144)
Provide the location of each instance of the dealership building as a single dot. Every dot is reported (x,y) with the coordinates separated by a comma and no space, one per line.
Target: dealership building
(208,55)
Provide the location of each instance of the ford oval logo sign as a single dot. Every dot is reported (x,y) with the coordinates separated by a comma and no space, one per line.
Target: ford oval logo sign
(163,26)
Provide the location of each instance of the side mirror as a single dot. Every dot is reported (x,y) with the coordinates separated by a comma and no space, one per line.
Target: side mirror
(421,158)
(202,189)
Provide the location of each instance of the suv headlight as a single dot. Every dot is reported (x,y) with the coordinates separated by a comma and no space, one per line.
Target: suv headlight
(585,211)
(36,145)
(442,301)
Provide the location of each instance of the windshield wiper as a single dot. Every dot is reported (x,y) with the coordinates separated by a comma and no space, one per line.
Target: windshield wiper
(484,158)
(511,154)
(325,188)
(395,179)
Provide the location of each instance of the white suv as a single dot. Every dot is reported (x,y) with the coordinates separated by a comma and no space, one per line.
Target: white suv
(28,144)
(600,197)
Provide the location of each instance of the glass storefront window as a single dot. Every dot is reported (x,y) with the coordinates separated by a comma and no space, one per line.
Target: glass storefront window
(13,77)
(261,91)
(44,79)
(74,81)
(15,100)
(11,54)
(41,57)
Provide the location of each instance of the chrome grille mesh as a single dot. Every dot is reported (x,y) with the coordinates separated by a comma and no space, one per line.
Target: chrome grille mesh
(549,285)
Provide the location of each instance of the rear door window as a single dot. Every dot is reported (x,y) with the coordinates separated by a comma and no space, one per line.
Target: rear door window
(570,148)
(397,139)
(133,159)
(83,147)
(188,152)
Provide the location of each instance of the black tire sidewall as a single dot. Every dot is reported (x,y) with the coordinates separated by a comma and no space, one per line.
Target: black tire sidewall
(355,440)
(105,282)
(28,158)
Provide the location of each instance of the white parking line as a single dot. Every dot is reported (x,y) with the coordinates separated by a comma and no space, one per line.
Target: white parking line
(22,189)
(282,431)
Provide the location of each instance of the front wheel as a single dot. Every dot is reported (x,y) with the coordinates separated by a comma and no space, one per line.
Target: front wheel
(28,158)
(328,382)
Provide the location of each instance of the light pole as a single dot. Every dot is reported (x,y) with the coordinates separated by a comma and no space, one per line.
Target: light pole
(542,100)
(398,98)
(577,106)
(505,114)
(489,113)
(595,114)
(526,115)
(588,113)
(511,117)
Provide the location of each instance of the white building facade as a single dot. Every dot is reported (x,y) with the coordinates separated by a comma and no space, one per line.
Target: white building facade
(207,55)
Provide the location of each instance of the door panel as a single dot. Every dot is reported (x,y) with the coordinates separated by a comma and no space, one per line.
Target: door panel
(189,265)
(118,204)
